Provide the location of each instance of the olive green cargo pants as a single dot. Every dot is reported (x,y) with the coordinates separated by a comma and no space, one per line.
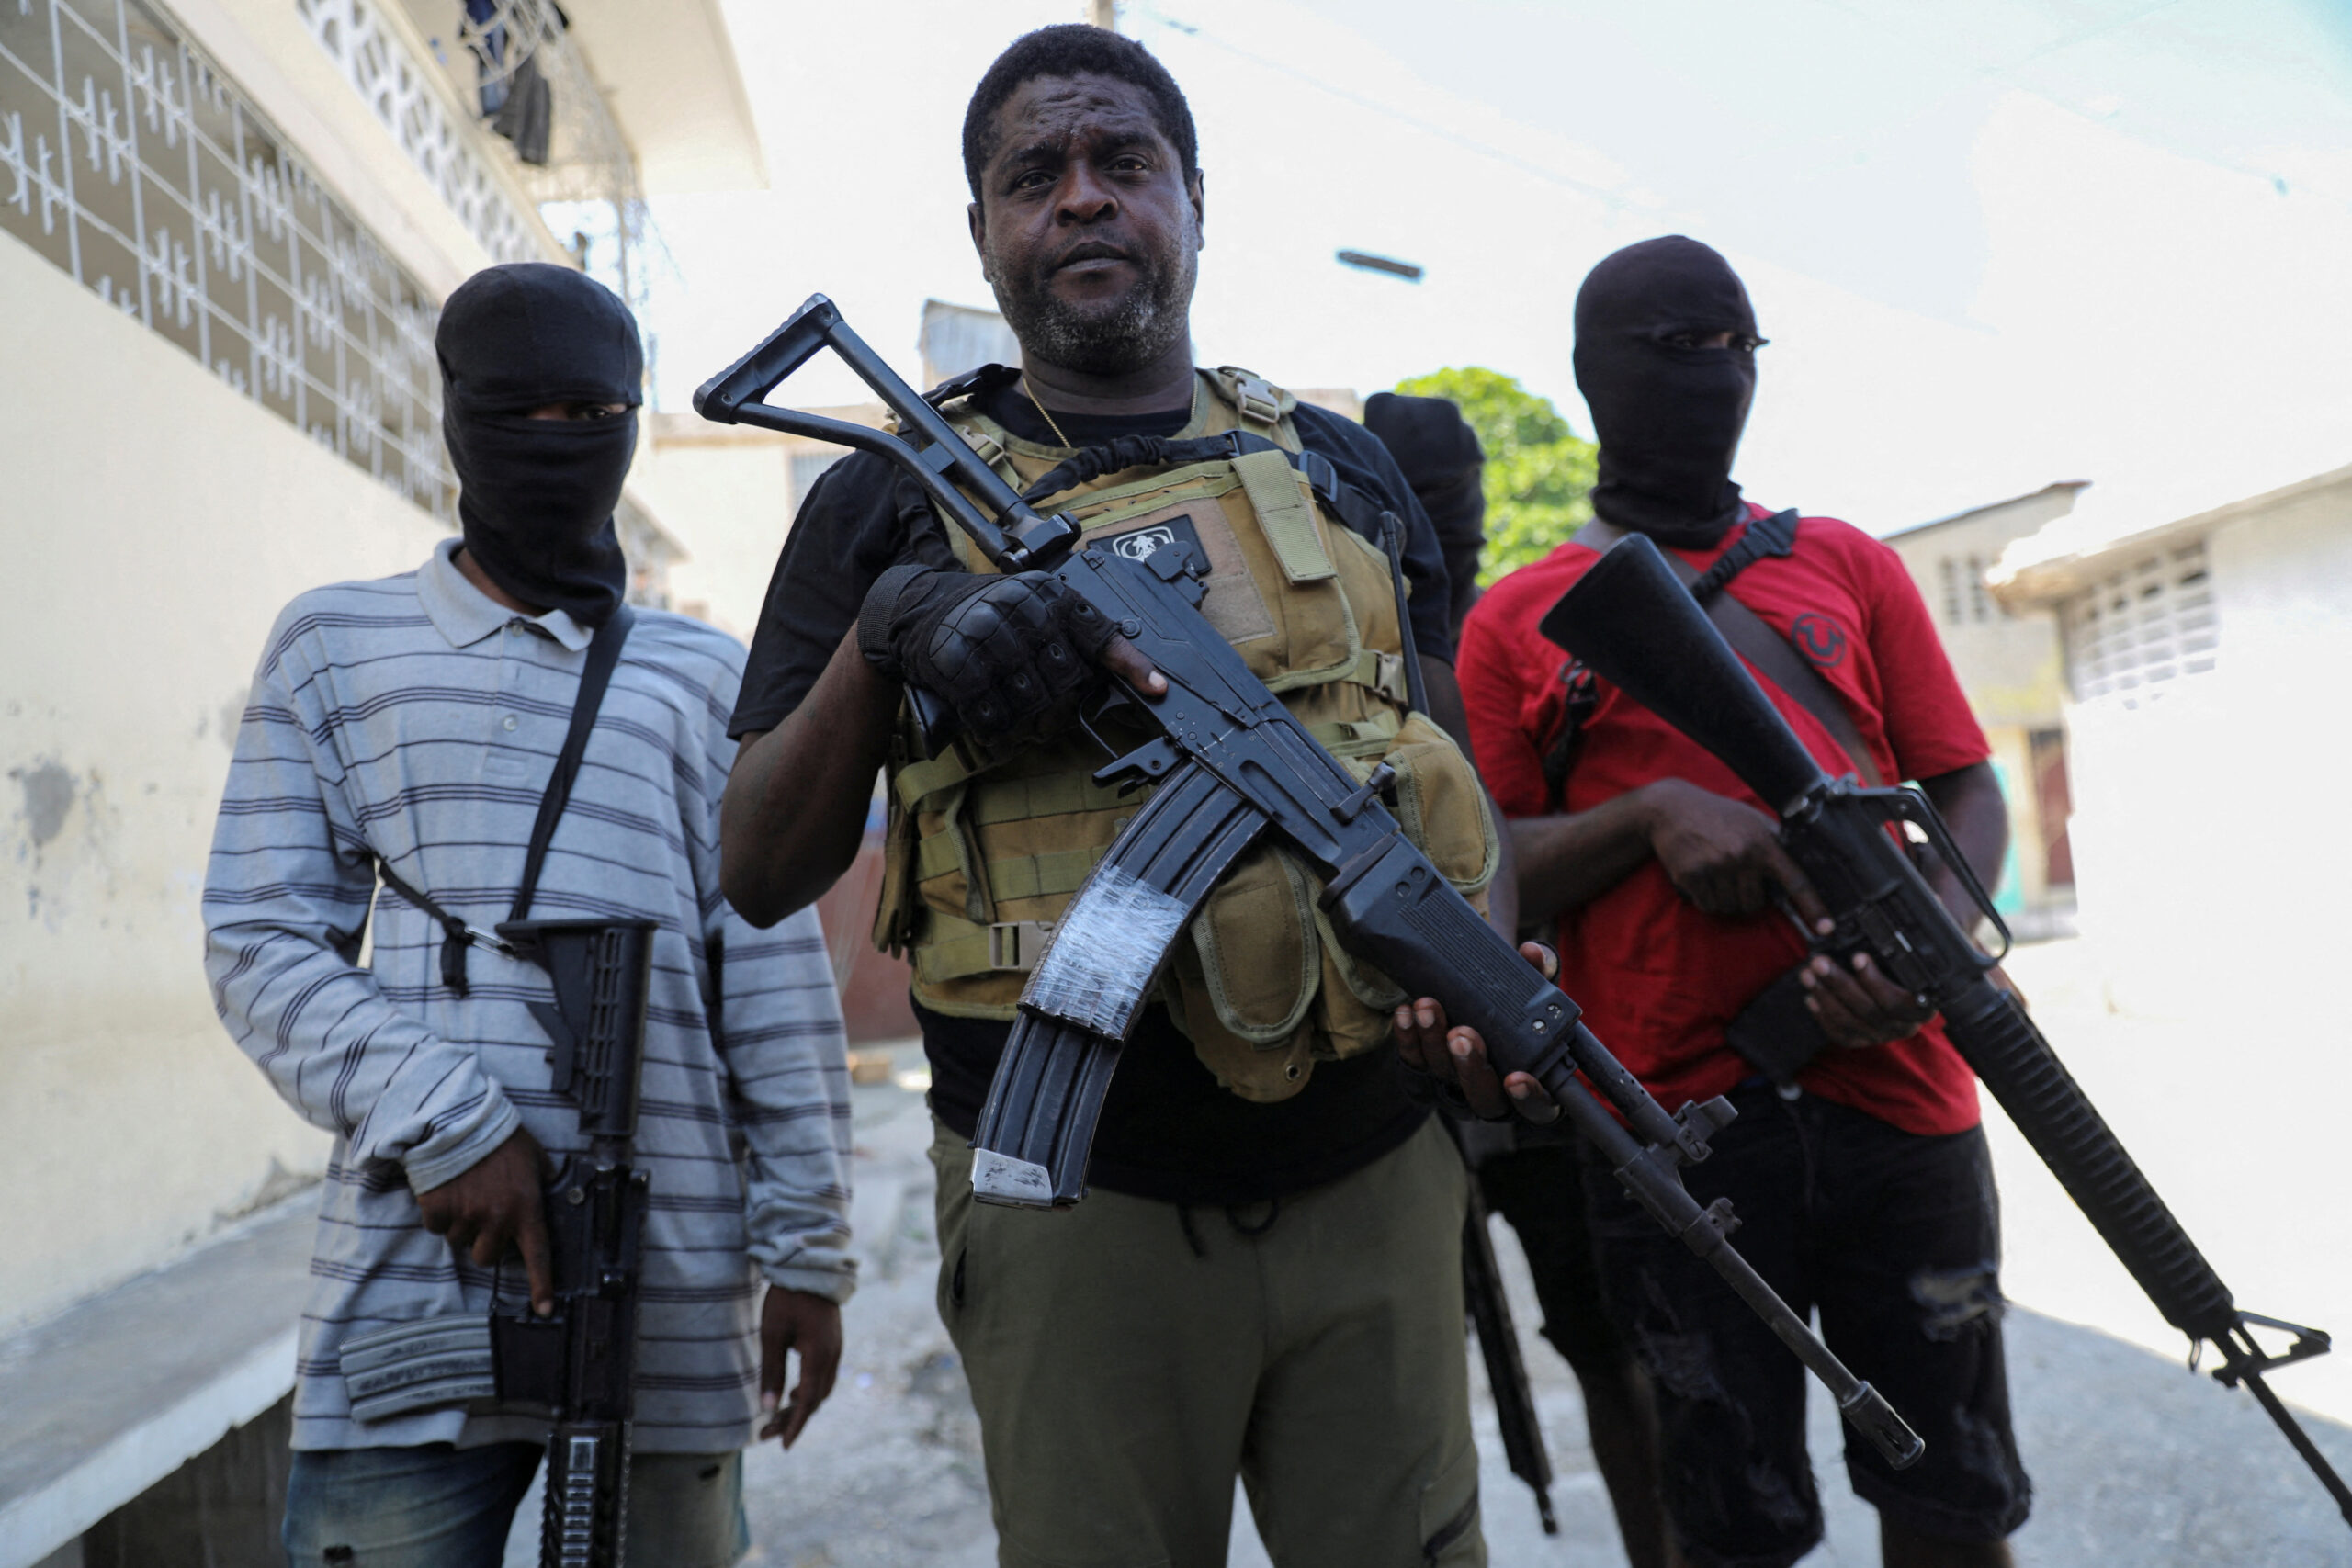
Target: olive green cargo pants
(1128,1358)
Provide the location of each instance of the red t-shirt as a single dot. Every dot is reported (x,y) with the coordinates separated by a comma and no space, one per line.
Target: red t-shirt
(1658,980)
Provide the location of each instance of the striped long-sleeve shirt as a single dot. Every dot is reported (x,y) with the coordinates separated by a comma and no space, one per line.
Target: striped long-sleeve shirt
(414,719)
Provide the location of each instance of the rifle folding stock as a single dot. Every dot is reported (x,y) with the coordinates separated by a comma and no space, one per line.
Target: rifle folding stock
(1228,762)
(1632,623)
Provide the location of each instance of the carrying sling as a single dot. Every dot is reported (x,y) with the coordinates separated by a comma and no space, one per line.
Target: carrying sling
(604,654)
(1759,644)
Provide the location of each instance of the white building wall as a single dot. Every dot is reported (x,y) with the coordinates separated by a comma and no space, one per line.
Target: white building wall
(2210,860)
(154,524)
(730,502)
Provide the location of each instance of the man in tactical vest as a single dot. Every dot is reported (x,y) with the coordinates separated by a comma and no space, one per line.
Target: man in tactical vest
(1857,1165)
(1266,1279)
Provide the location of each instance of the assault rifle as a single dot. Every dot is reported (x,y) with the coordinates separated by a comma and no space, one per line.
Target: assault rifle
(578,1366)
(1632,622)
(1230,763)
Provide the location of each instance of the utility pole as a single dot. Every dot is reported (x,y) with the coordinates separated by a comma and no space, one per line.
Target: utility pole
(1104,14)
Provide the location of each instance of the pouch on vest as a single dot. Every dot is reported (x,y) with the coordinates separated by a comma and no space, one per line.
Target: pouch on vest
(1262,987)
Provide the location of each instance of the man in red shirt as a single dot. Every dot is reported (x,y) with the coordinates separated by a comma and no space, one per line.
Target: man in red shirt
(1861,1174)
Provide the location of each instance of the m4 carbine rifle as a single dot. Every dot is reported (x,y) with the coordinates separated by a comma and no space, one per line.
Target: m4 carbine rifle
(577,1367)
(1632,622)
(1231,762)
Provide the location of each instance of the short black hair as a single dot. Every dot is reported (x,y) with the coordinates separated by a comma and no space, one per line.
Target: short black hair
(1075,49)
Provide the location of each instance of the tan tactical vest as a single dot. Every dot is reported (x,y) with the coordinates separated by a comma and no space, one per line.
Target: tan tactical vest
(984,853)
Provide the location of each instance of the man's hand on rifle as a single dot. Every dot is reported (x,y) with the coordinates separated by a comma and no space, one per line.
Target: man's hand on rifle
(789,1321)
(1859,1007)
(1724,855)
(1458,1056)
(1012,656)
(496,1208)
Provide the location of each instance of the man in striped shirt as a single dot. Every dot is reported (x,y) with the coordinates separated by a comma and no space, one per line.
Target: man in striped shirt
(415,720)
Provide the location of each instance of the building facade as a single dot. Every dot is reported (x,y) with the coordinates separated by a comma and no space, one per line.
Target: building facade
(2201,658)
(2008,663)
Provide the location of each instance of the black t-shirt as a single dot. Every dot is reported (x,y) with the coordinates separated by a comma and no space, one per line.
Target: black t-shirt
(1167,1131)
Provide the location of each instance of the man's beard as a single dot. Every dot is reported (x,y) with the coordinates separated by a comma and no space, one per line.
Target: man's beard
(1110,338)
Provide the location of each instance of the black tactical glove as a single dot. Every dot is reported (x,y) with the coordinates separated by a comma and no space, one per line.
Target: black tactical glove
(1006,653)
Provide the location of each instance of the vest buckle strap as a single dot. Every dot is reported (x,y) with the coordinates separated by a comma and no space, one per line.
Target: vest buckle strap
(1254,397)
(1017,946)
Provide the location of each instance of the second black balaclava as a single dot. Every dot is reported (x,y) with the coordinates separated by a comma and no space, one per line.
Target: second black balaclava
(1668,418)
(1444,464)
(537,495)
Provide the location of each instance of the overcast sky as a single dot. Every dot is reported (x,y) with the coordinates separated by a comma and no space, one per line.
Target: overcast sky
(1995,245)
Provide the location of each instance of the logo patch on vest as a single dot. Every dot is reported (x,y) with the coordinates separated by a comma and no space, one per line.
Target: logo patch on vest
(1234,605)
(1820,639)
(1143,542)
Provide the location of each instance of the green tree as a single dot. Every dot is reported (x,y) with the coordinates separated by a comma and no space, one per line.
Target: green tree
(1539,472)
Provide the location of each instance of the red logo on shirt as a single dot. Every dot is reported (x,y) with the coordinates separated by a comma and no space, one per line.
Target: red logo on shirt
(1820,639)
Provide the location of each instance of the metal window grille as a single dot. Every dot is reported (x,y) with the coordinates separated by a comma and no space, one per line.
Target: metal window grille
(2143,630)
(383,70)
(1980,603)
(1949,570)
(130,161)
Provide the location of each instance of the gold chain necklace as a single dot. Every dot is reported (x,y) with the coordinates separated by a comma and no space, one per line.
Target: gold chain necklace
(1030,392)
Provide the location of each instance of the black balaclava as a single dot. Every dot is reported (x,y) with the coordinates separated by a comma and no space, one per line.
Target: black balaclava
(537,495)
(1444,464)
(1668,418)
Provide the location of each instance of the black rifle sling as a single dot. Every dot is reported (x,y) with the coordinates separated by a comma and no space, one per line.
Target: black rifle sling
(604,655)
(1767,649)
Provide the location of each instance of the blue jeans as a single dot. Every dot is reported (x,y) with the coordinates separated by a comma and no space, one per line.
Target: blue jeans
(439,1507)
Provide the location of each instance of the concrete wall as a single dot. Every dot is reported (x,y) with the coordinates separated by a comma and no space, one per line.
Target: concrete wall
(156,523)
(728,493)
(2210,859)
(728,497)
(2010,663)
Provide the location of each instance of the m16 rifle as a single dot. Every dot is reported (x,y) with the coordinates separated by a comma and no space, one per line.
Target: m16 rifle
(1230,763)
(578,1366)
(1632,622)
